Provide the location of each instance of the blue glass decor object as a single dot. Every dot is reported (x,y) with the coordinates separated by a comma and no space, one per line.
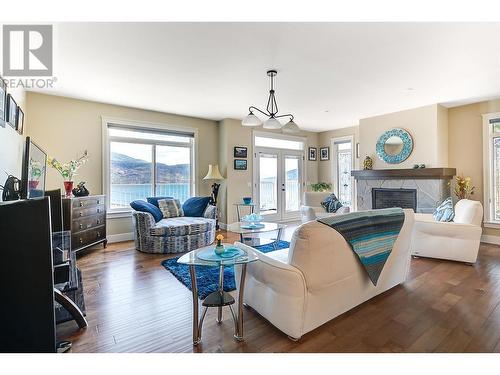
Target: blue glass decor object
(247,200)
(405,151)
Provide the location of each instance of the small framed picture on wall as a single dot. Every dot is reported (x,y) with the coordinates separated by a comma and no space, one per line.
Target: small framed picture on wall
(324,153)
(20,120)
(313,154)
(240,152)
(11,111)
(3,102)
(240,164)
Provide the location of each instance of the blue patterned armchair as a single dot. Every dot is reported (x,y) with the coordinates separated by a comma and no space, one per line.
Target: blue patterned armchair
(174,235)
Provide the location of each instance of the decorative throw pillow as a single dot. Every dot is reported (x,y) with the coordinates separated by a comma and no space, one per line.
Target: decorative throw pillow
(154,200)
(195,206)
(444,212)
(331,203)
(143,206)
(170,208)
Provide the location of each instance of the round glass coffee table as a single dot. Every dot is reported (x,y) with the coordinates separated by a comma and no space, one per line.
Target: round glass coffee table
(248,236)
(219,298)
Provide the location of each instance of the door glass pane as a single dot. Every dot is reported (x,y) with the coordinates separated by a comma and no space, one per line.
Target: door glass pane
(173,172)
(496,176)
(292,187)
(130,173)
(344,162)
(268,175)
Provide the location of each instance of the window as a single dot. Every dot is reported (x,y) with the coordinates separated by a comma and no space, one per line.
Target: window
(143,162)
(491,149)
(278,142)
(342,163)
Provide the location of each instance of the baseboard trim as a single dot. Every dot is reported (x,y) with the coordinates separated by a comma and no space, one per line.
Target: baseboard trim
(488,238)
(121,237)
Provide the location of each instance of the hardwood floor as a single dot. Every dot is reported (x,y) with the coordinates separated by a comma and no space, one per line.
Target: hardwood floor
(135,305)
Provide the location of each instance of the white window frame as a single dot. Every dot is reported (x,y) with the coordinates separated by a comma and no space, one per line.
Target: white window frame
(133,124)
(488,179)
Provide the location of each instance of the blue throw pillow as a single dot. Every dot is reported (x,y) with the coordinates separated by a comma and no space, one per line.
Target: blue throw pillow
(154,200)
(331,203)
(444,212)
(195,206)
(143,206)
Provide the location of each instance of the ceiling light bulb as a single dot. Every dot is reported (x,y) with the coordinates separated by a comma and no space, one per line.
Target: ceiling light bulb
(272,123)
(251,120)
(290,127)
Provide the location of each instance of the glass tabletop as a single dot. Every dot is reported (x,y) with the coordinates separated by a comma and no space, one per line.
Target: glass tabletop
(268,227)
(245,204)
(191,258)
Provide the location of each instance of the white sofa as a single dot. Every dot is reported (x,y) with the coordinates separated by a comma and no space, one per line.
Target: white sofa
(457,240)
(312,209)
(318,278)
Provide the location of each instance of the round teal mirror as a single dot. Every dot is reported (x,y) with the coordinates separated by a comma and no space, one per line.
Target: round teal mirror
(394,146)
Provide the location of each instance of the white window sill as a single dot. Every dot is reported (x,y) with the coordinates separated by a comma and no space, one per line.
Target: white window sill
(118,214)
(492,224)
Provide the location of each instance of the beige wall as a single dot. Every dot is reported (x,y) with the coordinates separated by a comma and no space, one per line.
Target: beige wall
(11,142)
(466,144)
(427,126)
(239,183)
(66,127)
(325,140)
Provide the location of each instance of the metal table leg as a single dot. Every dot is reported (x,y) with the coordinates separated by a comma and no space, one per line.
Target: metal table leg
(238,335)
(278,239)
(194,288)
(221,291)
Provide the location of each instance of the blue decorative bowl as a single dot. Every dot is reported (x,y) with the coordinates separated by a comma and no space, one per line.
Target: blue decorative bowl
(247,200)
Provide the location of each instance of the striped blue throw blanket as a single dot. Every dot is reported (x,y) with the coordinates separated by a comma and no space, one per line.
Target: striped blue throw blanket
(371,235)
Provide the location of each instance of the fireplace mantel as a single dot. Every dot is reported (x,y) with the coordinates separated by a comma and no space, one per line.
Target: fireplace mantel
(401,174)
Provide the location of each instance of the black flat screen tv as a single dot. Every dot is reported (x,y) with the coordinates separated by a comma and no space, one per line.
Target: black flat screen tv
(34,171)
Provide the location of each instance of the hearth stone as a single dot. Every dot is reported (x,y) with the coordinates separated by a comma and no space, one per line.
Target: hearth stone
(430,192)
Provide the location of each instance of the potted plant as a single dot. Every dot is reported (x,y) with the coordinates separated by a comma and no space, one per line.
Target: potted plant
(219,247)
(68,170)
(321,186)
(463,187)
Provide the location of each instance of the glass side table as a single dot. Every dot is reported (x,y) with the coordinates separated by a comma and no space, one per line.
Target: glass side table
(247,235)
(219,298)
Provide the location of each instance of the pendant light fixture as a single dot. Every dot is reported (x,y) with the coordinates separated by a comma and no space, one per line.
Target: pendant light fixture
(271,112)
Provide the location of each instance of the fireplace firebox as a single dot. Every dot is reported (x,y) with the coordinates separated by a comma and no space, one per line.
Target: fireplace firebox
(387,198)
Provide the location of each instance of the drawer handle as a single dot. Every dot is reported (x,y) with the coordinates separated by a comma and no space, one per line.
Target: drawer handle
(98,221)
(80,214)
(81,204)
(98,202)
(98,234)
(81,226)
(98,210)
(81,240)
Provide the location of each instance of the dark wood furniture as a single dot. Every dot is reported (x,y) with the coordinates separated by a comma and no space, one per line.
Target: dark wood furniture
(26,277)
(85,217)
(423,173)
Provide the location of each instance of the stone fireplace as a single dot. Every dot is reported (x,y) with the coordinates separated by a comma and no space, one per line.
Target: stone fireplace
(423,189)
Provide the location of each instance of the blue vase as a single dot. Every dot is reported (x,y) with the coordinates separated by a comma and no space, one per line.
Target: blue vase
(219,249)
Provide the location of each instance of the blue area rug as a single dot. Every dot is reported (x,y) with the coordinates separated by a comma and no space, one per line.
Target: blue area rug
(207,278)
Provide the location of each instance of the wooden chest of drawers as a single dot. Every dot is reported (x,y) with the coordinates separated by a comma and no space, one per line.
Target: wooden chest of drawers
(85,217)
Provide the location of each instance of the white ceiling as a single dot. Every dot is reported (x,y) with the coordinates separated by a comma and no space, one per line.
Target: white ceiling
(330,75)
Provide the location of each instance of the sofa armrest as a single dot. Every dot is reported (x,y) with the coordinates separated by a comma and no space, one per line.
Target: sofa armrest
(210,212)
(143,221)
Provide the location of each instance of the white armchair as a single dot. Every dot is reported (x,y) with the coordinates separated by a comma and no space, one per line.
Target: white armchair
(457,240)
(312,209)
(318,278)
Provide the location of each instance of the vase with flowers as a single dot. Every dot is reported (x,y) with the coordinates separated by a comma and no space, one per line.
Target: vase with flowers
(68,170)
(219,247)
(463,187)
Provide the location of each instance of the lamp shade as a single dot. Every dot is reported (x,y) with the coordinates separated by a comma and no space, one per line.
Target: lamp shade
(272,123)
(290,128)
(251,120)
(213,173)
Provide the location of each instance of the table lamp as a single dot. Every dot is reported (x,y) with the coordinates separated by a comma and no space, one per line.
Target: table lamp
(214,174)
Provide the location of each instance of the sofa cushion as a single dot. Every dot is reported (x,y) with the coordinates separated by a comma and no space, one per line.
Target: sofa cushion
(143,206)
(195,206)
(181,226)
(444,212)
(170,208)
(154,200)
(331,203)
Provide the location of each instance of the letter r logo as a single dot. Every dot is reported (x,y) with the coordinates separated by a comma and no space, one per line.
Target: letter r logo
(27,50)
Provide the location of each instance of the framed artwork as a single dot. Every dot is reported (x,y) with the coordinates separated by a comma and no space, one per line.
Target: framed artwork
(20,120)
(11,111)
(313,154)
(240,164)
(324,153)
(240,152)
(3,102)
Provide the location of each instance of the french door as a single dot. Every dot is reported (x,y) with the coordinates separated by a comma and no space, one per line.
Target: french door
(278,183)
